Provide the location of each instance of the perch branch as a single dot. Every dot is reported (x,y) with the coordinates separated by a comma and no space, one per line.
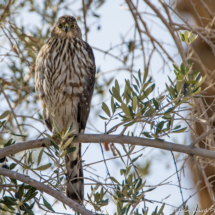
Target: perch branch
(104,138)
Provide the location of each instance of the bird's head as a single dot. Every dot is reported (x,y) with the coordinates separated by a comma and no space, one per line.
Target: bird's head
(66,27)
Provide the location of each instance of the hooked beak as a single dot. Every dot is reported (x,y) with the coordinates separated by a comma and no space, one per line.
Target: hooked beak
(66,27)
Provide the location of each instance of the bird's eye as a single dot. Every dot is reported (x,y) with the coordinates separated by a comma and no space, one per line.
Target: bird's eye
(72,26)
(60,26)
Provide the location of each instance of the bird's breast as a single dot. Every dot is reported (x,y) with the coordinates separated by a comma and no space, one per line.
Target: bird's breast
(67,68)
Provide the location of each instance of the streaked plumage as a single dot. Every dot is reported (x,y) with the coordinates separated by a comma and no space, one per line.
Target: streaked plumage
(64,80)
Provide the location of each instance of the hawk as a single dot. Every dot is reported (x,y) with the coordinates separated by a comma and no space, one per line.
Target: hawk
(64,80)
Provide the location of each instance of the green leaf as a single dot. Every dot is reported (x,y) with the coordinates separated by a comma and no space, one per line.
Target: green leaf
(2,209)
(170,80)
(9,142)
(197,91)
(160,212)
(145,75)
(112,105)
(194,38)
(32,205)
(21,191)
(123,211)
(149,112)
(179,85)
(182,69)
(30,192)
(160,125)
(139,76)
(155,104)
(103,117)
(12,166)
(5,114)
(202,80)
(195,72)
(52,141)
(148,91)
(117,86)
(195,210)
(138,183)
(146,134)
(179,131)
(135,87)
(134,103)
(176,68)
(10,207)
(28,211)
(114,180)
(125,109)
(171,90)
(65,145)
(189,35)
(186,211)
(134,159)
(127,170)
(106,109)
(141,186)
(13,181)
(118,152)
(71,150)
(182,36)
(70,128)
(9,200)
(137,82)
(47,205)
(30,197)
(122,171)
(44,167)
(55,126)
(185,35)
(130,123)
(177,127)
(40,156)
(116,94)
(169,110)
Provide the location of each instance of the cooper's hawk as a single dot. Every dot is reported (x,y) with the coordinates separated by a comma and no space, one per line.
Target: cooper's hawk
(64,80)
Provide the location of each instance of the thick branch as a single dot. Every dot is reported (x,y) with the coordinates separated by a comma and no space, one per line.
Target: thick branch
(40,186)
(96,138)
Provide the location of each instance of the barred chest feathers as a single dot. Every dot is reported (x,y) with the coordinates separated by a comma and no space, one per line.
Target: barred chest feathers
(63,65)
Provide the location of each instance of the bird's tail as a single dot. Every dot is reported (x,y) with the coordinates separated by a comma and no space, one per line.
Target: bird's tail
(75,181)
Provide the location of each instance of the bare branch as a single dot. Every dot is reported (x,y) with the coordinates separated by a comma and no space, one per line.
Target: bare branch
(94,138)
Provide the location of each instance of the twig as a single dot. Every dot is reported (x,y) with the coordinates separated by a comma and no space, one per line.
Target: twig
(179,182)
(106,163)
(85,22)
(205,179)
(14,115)
(201,137)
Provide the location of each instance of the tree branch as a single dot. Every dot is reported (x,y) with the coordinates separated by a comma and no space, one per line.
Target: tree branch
(94,138)
(40,186)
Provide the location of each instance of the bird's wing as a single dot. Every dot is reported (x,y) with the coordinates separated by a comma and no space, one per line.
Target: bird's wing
(84,105)
(39,82)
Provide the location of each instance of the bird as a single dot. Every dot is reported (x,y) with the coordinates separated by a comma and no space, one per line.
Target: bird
(64,81)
